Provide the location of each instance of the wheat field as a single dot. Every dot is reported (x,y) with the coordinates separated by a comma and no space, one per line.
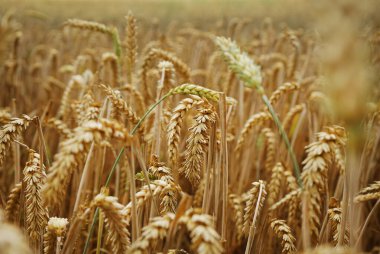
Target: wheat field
(148,127)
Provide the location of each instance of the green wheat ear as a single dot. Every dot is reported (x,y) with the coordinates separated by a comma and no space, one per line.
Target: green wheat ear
(250,73)
(240,63)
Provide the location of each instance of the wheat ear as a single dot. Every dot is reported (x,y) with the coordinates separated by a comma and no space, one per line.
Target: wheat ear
(13,202)
(175,125)
(131,45)
(12,240)
(100,28)
(252,205)
(320,155)
(270,144)
(274,185)
(284,233)
(34,178)
(285,88)
(196,145)
(116,224)
(55,232)
(204,237)
(120,105)
(335,218)
(10,132)
(237,202)
(369,193)
(61,127)
(152,234)
(254,120)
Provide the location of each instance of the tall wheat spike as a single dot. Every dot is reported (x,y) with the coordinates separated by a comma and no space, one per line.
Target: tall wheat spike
(196,145)
(320,155)
(117,234)
(35,212)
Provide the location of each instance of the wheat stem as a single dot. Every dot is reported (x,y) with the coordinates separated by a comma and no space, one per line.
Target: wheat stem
(285,138)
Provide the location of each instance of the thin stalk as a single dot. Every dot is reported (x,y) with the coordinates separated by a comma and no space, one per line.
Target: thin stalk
(224,164)
(368,219)
(96,215)
(157,127)
(135,226)
(253,226)
(285,138)
(83,179)
(148,112)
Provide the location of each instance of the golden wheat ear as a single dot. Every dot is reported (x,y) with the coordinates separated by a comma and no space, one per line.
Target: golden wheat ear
(35,212)
(284,233)
(117,234)
(54,234)
(369,193)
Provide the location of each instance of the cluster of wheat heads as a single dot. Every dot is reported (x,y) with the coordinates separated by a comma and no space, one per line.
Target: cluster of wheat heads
(144,141)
